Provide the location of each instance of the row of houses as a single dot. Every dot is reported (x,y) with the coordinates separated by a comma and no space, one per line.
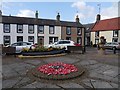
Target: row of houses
(46,31)
(37,30)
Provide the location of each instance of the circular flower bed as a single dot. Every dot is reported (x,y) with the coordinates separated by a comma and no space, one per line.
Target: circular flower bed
(57,68)
(57,71)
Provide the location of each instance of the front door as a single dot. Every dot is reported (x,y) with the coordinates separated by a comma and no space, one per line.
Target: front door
(41,40)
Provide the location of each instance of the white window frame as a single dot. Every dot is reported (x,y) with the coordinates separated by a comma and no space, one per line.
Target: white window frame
(6,28)
(51,30)
(31,29)
(68,30)
(19,28)
(41,29)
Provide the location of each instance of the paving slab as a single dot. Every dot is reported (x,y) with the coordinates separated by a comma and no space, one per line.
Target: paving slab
(61,59)
(71,85)
(101,84)
(33,62)
(9,83)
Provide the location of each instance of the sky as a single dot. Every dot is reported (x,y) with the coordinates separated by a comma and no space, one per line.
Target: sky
(86,10)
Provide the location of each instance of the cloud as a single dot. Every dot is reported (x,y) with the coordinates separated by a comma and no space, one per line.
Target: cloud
(26,13)
(85,11)
(110,12)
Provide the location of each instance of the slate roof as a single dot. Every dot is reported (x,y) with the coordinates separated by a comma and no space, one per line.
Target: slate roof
(27,20)
(107,24)
(88,27)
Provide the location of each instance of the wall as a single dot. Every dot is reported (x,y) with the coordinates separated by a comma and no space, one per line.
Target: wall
(93,37)
(107,34)
(1,33)
(119,36)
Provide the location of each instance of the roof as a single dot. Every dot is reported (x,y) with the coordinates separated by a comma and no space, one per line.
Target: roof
(88,26)
(107,25)
(39,21)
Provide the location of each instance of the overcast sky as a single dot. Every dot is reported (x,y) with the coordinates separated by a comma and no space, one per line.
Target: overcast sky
(86,10)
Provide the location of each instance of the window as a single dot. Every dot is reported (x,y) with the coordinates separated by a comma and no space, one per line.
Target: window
(68,38)
(97,34)
(51,30)
(6,28)
(79,32)
(31,29)
(115,33)
(19,38)
(115,40)
(68,30)
(31,39)
(53,39)
(79,40)
(19,28)
(6,40)
(41,29)
(96,41)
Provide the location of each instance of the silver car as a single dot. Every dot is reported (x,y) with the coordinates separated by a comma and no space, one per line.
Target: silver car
(20,45)
(111,45)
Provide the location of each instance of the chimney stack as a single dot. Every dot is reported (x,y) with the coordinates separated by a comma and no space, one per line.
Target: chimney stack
(36,14)
(58,17)
(98,17)
(77,19)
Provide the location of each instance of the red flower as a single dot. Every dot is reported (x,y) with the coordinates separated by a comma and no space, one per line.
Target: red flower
(57,68)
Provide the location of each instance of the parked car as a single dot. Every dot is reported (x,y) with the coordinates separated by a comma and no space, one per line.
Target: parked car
(63,44)
(112,45)
(20,45)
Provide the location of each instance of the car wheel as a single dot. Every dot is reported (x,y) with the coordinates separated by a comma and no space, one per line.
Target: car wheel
(114,48)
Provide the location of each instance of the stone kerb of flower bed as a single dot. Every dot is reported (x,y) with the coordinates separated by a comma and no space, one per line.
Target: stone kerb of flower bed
(57,71)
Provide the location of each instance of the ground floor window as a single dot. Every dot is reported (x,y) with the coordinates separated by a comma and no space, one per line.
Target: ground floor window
(31,39)
(53,39)
(68,38)
(115,40)
(6,40)
(19,38)
(79,40)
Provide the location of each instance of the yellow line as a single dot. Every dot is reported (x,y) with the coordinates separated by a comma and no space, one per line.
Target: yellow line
(43,56)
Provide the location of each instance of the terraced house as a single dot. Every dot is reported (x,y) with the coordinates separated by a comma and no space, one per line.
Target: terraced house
(37,30)
(109,28)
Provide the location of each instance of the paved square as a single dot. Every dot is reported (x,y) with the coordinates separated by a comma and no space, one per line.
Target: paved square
(101,71)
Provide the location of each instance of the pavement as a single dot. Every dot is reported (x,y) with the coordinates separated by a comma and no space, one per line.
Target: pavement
(101,71)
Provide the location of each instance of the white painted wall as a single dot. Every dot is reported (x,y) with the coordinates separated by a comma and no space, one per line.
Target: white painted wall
(107,34)
(1,33)
(57,33)
(119,36)
(93,37)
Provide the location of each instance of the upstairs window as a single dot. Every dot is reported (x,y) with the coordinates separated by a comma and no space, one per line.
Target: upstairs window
(97,34)
(19,28)
(31,29)
(68,30)
(115,33)
(79,31)
(41,29)
(6,28)
(51,30)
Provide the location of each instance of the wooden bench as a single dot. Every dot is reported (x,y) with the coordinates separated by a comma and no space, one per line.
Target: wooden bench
(76,49)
